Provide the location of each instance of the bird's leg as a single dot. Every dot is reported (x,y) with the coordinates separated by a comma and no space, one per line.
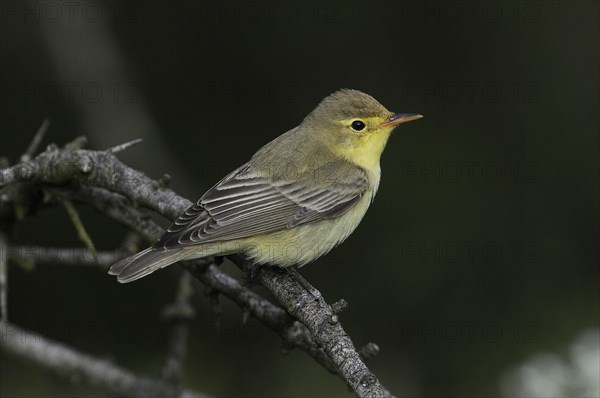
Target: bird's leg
(252,271)
(250,276)
(304,283)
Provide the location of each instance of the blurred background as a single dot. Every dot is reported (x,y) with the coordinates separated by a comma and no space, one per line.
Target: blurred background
(476,269)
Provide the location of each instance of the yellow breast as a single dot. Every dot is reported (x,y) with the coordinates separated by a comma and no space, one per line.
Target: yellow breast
(306,243)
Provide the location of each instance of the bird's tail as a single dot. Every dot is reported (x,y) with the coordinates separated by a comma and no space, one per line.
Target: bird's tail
(144,263)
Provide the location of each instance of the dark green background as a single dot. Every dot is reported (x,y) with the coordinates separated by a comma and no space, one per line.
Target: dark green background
(481,247)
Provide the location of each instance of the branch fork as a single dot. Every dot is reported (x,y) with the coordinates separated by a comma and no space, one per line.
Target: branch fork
(103,182)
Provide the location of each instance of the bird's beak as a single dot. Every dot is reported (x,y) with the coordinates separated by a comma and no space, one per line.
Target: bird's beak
(399,118)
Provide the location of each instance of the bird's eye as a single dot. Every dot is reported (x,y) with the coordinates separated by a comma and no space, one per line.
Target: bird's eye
(358,125)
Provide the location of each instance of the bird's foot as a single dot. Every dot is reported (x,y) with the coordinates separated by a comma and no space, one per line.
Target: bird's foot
(316,295)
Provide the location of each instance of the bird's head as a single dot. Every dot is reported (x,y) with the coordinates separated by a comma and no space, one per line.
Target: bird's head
(355,125)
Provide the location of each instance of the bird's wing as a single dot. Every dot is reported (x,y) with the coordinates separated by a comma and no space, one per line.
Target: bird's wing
(247,203)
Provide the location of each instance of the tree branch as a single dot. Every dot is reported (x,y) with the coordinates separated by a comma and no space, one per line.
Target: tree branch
(3,277)
(324,326)
(60,357)
(63,256)
(292,333)
(37,140)
(178,315)
(101,172)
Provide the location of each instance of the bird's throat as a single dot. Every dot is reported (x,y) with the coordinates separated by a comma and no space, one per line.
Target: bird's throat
(366,153)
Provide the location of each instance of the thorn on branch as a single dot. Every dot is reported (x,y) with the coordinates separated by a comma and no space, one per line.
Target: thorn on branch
(35,143)
(369,351)
(339,306)
(368,380)
(124,146)
(164,181)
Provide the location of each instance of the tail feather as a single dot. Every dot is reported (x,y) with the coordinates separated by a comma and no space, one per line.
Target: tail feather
(144,263)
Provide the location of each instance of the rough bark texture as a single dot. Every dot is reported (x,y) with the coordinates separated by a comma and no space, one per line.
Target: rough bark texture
(99,179)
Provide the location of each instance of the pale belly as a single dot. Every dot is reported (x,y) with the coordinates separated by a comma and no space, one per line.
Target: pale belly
(303,244)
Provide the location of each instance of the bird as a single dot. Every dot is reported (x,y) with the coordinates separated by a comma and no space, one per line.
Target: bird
(298,197)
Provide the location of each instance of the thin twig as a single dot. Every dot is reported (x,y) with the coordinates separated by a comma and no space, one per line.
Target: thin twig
(63,255)
(81,231)
(3,277)
(37,140)
(178,315)
(66,360)
(122,147)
